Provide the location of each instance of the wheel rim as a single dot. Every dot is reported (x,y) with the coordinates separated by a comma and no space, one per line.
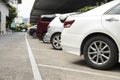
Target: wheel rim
(34,35)
(44,39)
(99,52)
(56,42)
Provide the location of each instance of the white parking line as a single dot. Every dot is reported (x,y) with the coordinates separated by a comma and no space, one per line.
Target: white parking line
(80,71)
(36,73)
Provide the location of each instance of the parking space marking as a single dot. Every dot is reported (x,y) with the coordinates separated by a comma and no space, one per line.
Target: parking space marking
(36,73)
(80,71)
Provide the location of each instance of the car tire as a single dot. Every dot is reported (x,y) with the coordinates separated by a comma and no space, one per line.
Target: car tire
(43,38)
(34,35)
(100,52)
(55,41)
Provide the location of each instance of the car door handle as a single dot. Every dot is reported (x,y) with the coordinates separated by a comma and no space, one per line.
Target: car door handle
(112,19)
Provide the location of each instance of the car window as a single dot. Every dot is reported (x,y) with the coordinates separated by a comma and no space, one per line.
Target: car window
(115,10)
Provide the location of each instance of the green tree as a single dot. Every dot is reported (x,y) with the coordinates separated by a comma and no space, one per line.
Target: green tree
(89,7)
(12,15)
(86,8)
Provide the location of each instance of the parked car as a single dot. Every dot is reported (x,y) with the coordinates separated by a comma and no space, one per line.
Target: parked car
(42,25)
(55,29)
(23,29)
(53,33)
(32,31)
(94,34)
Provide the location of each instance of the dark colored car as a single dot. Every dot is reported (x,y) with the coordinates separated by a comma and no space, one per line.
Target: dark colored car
(42,25)
(32,31)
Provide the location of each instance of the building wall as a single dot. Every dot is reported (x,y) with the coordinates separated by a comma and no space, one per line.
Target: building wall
(4,12)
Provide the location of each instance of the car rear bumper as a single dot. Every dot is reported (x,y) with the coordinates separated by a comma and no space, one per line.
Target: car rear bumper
(71,43)
(47,37)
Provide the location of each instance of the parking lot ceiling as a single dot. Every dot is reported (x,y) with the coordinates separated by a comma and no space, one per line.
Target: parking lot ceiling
(35,12)
(58,6)
(34,17)
(34,21)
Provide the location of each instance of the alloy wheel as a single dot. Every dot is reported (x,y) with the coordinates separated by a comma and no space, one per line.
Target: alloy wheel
(56,40)
(99,52)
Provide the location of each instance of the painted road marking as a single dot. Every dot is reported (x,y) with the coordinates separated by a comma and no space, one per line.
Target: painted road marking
(80,71)
(36,73)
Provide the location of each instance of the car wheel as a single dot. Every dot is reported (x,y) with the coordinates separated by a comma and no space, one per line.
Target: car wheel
(43,38)
(100,52)
(34,35)
(56,39)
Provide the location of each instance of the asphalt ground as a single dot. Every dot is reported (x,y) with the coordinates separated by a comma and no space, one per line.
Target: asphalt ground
(25,58)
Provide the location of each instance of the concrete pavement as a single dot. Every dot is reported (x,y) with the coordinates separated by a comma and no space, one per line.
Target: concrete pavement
(58,65)
(16,64)
(14,60)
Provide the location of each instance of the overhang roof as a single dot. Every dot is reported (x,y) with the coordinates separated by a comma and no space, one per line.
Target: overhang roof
(41,7)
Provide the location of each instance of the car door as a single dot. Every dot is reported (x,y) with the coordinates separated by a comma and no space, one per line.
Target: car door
(111,21)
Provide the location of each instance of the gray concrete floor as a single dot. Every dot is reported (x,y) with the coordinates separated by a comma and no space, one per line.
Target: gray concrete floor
(14,60)
(52,64)
(58,65)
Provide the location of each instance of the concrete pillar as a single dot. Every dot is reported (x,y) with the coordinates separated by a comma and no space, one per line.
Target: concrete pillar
(4,12)
(3,23)
(0,22)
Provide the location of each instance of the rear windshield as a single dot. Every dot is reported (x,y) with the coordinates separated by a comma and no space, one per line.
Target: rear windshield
(47,19)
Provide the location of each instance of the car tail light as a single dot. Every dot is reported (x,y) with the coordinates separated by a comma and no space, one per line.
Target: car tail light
(67,24)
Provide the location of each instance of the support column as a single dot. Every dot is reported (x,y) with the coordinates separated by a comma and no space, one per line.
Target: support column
(3,23)
(0,22)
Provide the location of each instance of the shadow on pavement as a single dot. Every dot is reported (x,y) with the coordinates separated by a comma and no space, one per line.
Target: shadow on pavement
(116,68)
(80,63)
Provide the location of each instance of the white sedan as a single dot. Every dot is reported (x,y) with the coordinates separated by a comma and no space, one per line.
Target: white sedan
(53,33)
(55,29)
(94,34)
